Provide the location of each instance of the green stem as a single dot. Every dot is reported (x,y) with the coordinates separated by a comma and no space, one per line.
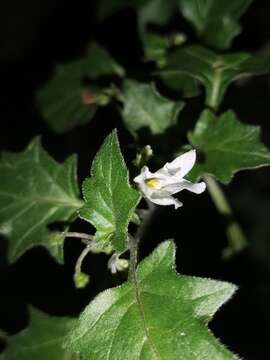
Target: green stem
(236,238)
(218,196)
(133,260)
(213,97)
(147,217)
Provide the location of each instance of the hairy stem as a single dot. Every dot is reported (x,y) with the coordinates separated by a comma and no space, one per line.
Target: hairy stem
(83,254)
(236,238)
(133,260)
(147,217)
(85,238)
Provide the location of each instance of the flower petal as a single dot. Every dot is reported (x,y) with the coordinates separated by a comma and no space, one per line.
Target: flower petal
(183,184)
(182,164)
(144,174)
(196,188)
(165,200)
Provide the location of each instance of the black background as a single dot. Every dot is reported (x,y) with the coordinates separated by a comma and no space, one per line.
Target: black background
(34,37)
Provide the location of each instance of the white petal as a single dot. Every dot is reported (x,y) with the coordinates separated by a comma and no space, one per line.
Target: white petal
(196,188)
(183,184)
(166,200)
(145,174)
(146,190)
(182,164)
(171,189)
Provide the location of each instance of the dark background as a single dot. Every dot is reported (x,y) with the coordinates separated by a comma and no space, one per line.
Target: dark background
(34,37)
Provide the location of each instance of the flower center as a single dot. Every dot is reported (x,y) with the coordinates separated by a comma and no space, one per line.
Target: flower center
(153,183)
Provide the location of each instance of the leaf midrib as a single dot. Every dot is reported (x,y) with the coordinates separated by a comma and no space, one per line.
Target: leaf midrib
(31,229)
(143,317)
(156,127)
(49,200)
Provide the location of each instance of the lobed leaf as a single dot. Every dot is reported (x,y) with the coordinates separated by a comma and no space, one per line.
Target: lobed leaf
(158,12)
(216,22)
(42,339)
(226,146)
(158,315)
(144,107)
(214,71)
(61,100)
(149,11)
(35,191)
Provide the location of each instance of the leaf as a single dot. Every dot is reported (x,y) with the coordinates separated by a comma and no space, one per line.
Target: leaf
(35,191)
(99,62)
(109,199)
(42,340)
(158,315)
(158,12)
(214,71)
(216,22)
(181,83)
(226,146)
(144,107)
(155,47)
(61,100)
(149,11)
(55,243)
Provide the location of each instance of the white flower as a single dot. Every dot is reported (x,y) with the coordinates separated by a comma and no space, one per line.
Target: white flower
(159,186)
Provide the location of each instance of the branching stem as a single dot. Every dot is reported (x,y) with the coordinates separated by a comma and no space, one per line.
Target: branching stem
(86,239)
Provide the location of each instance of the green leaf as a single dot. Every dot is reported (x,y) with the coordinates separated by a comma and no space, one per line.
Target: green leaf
(181,83)
(35,191)
(109,199)
(61,100)
(226,146)
(42,340)
(155,47)
(149,11)
(144,107)
(158,315)
(158,12)
(98,62)
(214,71)
(55,244)
(215,21)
